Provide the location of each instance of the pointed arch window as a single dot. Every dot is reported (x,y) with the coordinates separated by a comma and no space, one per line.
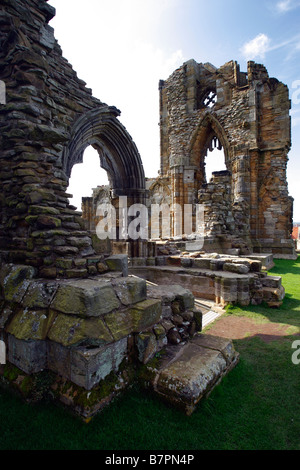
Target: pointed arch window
(214,158)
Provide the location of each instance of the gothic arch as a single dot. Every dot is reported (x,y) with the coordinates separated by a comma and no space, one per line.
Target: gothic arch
(117,151)
(208,130)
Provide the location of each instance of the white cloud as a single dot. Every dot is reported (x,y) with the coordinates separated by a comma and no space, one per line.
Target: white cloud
(119,54)
(283,6)
(257,47)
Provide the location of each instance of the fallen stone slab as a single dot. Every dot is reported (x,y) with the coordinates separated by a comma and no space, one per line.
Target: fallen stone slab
(184,374)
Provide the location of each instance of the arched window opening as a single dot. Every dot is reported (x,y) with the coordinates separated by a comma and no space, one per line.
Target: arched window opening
(214,159)
(86,176)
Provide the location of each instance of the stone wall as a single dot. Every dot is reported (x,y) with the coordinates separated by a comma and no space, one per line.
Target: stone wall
(49,118)
(223,279)
(85,331)
(246,115)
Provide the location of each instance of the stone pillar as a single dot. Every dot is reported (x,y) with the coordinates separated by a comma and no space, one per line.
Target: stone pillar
(242,195)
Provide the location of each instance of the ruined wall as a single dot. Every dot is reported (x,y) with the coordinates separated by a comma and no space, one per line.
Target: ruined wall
(50,117)
(84,339)
(246,114)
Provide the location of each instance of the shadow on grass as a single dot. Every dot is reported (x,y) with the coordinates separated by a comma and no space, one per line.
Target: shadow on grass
(287,314)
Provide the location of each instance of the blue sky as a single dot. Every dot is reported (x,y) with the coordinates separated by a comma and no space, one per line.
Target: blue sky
(122,48)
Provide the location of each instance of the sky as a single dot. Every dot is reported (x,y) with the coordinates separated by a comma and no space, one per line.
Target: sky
(122,48)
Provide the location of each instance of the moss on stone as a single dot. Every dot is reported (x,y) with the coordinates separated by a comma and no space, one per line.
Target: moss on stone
(30,324)
(145,314)
(11,372)
(70,330)
(15,281)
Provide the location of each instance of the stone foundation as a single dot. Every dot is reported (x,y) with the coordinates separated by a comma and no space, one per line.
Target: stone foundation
(88,335)
(222,279)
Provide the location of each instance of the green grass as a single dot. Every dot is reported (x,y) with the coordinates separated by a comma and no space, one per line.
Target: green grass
(256,407)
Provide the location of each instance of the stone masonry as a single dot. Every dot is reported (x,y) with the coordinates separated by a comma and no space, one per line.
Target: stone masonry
(246,115)
(75,324)
(50,117)
(86,317)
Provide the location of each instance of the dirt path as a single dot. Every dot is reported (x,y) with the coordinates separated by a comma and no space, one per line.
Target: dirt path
(239,328)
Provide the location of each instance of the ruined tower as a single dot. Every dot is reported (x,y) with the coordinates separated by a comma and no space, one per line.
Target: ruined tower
(247,207)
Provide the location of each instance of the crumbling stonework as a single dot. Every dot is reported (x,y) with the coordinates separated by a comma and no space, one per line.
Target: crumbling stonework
(71,306)
(224,279)
(50,117)
(246,115)
(85,330)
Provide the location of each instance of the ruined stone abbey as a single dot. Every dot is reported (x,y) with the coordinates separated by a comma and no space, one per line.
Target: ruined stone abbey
(86,311)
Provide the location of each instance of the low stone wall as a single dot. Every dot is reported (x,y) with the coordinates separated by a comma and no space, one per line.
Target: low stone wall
(85,331)
(223,279)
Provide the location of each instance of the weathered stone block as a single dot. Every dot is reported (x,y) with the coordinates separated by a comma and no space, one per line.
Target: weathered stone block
(64,263)
(201,263)
(236,268)
(89,366)
(170,293)
(186,373)
(174,336)
(147,346)
(76,273)
(45,210)
(39,294)
(138,261)
(118,263)
(29,356)
(223,345)
(86,298)
(120,323)
(130,290)
(30,324)
(186,262)
(15,280)
(145,314)
(184,296)
(6,313)
(48,272)
(69,330)
(58,359)
(272,282)
(159,331)
(48,222)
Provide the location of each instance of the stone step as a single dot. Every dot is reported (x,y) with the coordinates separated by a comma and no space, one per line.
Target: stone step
(273,282)
(273,296)
(183,374)
(209,317)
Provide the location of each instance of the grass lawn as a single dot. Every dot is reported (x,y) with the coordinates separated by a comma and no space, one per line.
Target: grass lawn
(256,407)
